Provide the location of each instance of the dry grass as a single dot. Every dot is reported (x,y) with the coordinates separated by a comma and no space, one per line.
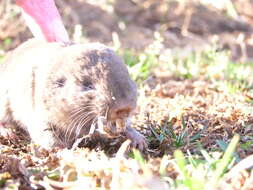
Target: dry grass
(190,101)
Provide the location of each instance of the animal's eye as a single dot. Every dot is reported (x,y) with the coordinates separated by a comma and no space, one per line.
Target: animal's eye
(87,85)
(60,82)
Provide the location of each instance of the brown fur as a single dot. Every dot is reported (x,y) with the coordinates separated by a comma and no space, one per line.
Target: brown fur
(56,91)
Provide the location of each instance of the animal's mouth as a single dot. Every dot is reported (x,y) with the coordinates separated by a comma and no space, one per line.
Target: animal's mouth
(110,129)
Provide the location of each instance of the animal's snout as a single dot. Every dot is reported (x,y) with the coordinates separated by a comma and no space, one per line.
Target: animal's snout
(120,111)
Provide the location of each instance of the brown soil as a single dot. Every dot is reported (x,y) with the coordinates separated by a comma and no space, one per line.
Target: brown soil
(184,25)
(193,106)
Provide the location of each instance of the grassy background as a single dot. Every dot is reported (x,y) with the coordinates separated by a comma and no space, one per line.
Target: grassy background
(194,105)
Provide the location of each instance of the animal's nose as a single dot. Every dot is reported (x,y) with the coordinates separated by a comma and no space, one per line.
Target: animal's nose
(120,111)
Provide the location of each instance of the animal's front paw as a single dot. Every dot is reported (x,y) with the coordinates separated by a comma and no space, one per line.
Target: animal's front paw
(137,139)
(44,138)
(7,132)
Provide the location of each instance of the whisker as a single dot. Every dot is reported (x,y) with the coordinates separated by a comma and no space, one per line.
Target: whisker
(79,128)
(78,124)
(82,109)
(106,111)
(72,124)
(71,127)
(82,123)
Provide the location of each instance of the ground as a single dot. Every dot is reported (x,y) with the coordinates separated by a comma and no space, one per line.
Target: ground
(192,64)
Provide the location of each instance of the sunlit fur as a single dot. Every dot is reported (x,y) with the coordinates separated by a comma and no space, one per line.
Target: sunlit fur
(60,90)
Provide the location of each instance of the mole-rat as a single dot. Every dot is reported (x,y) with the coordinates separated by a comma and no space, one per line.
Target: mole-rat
(60,92)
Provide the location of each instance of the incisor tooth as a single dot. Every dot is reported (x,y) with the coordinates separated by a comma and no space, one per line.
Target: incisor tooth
(120,124)
(101,124)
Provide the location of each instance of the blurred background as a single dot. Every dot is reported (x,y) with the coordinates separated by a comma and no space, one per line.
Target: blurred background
(193,64)
(181,25)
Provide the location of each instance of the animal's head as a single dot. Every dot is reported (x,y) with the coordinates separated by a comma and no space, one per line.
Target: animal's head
(89,85)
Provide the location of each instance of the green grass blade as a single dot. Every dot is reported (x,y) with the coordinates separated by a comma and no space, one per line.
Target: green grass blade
(226,158)
(181,163)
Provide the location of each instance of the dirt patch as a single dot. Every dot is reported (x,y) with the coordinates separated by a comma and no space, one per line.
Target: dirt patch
(185,25)
(195,109)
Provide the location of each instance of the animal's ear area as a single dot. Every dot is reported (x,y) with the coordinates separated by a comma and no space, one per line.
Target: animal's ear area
(84,60)
(92,57)
(60,82)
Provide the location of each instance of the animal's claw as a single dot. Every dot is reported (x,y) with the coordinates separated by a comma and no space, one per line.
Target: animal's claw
(137,139)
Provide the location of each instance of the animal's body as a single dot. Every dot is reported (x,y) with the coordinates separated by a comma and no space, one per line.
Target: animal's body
(56,92)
